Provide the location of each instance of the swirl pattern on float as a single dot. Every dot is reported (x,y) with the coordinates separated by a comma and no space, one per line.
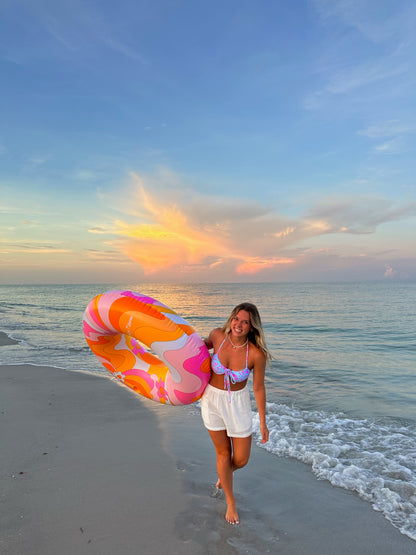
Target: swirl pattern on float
(119,325)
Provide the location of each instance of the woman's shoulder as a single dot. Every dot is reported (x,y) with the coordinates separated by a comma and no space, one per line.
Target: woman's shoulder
(214,338)
(256,353)
(217,334)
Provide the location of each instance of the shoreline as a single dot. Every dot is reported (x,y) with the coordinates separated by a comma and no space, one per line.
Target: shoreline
(88,467)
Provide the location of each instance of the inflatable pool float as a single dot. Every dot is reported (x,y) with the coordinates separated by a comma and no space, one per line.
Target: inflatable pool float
(119,325)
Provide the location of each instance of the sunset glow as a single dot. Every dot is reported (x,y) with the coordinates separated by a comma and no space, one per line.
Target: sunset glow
(261,147)
(254,266)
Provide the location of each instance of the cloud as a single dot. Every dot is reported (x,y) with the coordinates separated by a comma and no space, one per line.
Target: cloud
(36,161)
(389,147)
(106,255)
(344,80)
(120,47)
(85,175)
(358,215)
(99,229)
(370,55)
(390,272)
(182,229)
(35,247)
(255,265)
(393,273)
(178,231)
(77,30)
(393,22)
(343,76)
(392,132)
(389,128)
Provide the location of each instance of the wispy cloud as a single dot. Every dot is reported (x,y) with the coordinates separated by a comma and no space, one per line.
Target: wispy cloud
(389,147)
(37,161)
(394,22)
(388,129)
(85,175)
(122,48)
(76,30)
(358,215)
(105,255)
(343,80)
(32,247)
(383,59)
(99,230)
(393,133)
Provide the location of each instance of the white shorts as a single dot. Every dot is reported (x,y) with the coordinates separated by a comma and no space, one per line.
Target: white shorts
(219,414)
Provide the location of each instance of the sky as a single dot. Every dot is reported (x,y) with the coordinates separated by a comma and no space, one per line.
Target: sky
(220,141)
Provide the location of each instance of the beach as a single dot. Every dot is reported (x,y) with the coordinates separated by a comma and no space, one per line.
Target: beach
(87,466)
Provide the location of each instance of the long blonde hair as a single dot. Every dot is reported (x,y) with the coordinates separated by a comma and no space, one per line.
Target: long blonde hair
(256,334)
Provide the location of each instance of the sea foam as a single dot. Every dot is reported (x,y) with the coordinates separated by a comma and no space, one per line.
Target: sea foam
(374,458)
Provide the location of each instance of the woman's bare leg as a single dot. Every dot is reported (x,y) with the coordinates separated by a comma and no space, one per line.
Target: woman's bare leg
(241,448)
(232,453)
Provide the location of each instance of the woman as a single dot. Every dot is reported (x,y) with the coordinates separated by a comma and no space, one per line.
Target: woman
(239,347)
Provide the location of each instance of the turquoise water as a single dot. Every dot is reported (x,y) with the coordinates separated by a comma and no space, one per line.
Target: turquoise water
(341,388)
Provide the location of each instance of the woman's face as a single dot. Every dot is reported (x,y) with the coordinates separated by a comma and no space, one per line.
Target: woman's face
(240,324)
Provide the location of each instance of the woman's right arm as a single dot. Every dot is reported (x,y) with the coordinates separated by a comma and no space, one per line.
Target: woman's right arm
(208,343)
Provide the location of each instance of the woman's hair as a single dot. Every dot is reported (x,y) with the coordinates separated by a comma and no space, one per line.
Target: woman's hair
(255,335)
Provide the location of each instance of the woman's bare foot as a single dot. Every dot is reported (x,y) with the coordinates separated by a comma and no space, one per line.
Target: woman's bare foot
(218,484)
(231,515)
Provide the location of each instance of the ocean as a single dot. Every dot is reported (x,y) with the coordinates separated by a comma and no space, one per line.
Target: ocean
(341,388)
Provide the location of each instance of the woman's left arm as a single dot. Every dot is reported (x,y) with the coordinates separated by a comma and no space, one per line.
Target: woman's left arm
(259,389)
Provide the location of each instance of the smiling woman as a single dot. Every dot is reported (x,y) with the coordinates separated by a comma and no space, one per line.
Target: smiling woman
(225,404)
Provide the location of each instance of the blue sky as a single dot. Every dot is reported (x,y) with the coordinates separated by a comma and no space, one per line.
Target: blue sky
(207,141)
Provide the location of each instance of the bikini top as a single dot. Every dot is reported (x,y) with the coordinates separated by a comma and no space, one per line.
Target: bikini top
(230,376)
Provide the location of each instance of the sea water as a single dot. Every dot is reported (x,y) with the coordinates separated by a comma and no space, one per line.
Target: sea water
(341,388)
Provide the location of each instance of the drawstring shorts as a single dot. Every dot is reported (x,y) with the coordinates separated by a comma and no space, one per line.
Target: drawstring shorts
(218,413)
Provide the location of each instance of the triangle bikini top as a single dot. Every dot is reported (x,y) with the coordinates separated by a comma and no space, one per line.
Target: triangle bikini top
(230,376)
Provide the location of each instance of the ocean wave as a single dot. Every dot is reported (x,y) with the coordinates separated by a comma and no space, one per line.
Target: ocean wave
(374,458)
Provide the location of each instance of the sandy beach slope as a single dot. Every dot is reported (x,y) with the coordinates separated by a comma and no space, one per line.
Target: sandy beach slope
(88,467)
(82,468)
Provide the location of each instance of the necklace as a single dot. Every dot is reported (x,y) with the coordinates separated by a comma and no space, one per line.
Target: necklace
(237,346)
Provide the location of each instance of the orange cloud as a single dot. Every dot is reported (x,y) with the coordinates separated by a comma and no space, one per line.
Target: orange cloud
(255,265)
(172,238)
(170,230)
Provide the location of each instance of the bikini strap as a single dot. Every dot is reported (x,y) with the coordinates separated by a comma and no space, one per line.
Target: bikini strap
(247,355)
(221,345)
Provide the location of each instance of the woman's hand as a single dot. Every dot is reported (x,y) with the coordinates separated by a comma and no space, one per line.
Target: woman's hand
(264,433)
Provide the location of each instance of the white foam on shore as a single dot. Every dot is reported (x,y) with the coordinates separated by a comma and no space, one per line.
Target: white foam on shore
(375,458)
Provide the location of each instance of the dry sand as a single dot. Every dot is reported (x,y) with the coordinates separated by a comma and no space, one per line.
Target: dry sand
(88,467)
